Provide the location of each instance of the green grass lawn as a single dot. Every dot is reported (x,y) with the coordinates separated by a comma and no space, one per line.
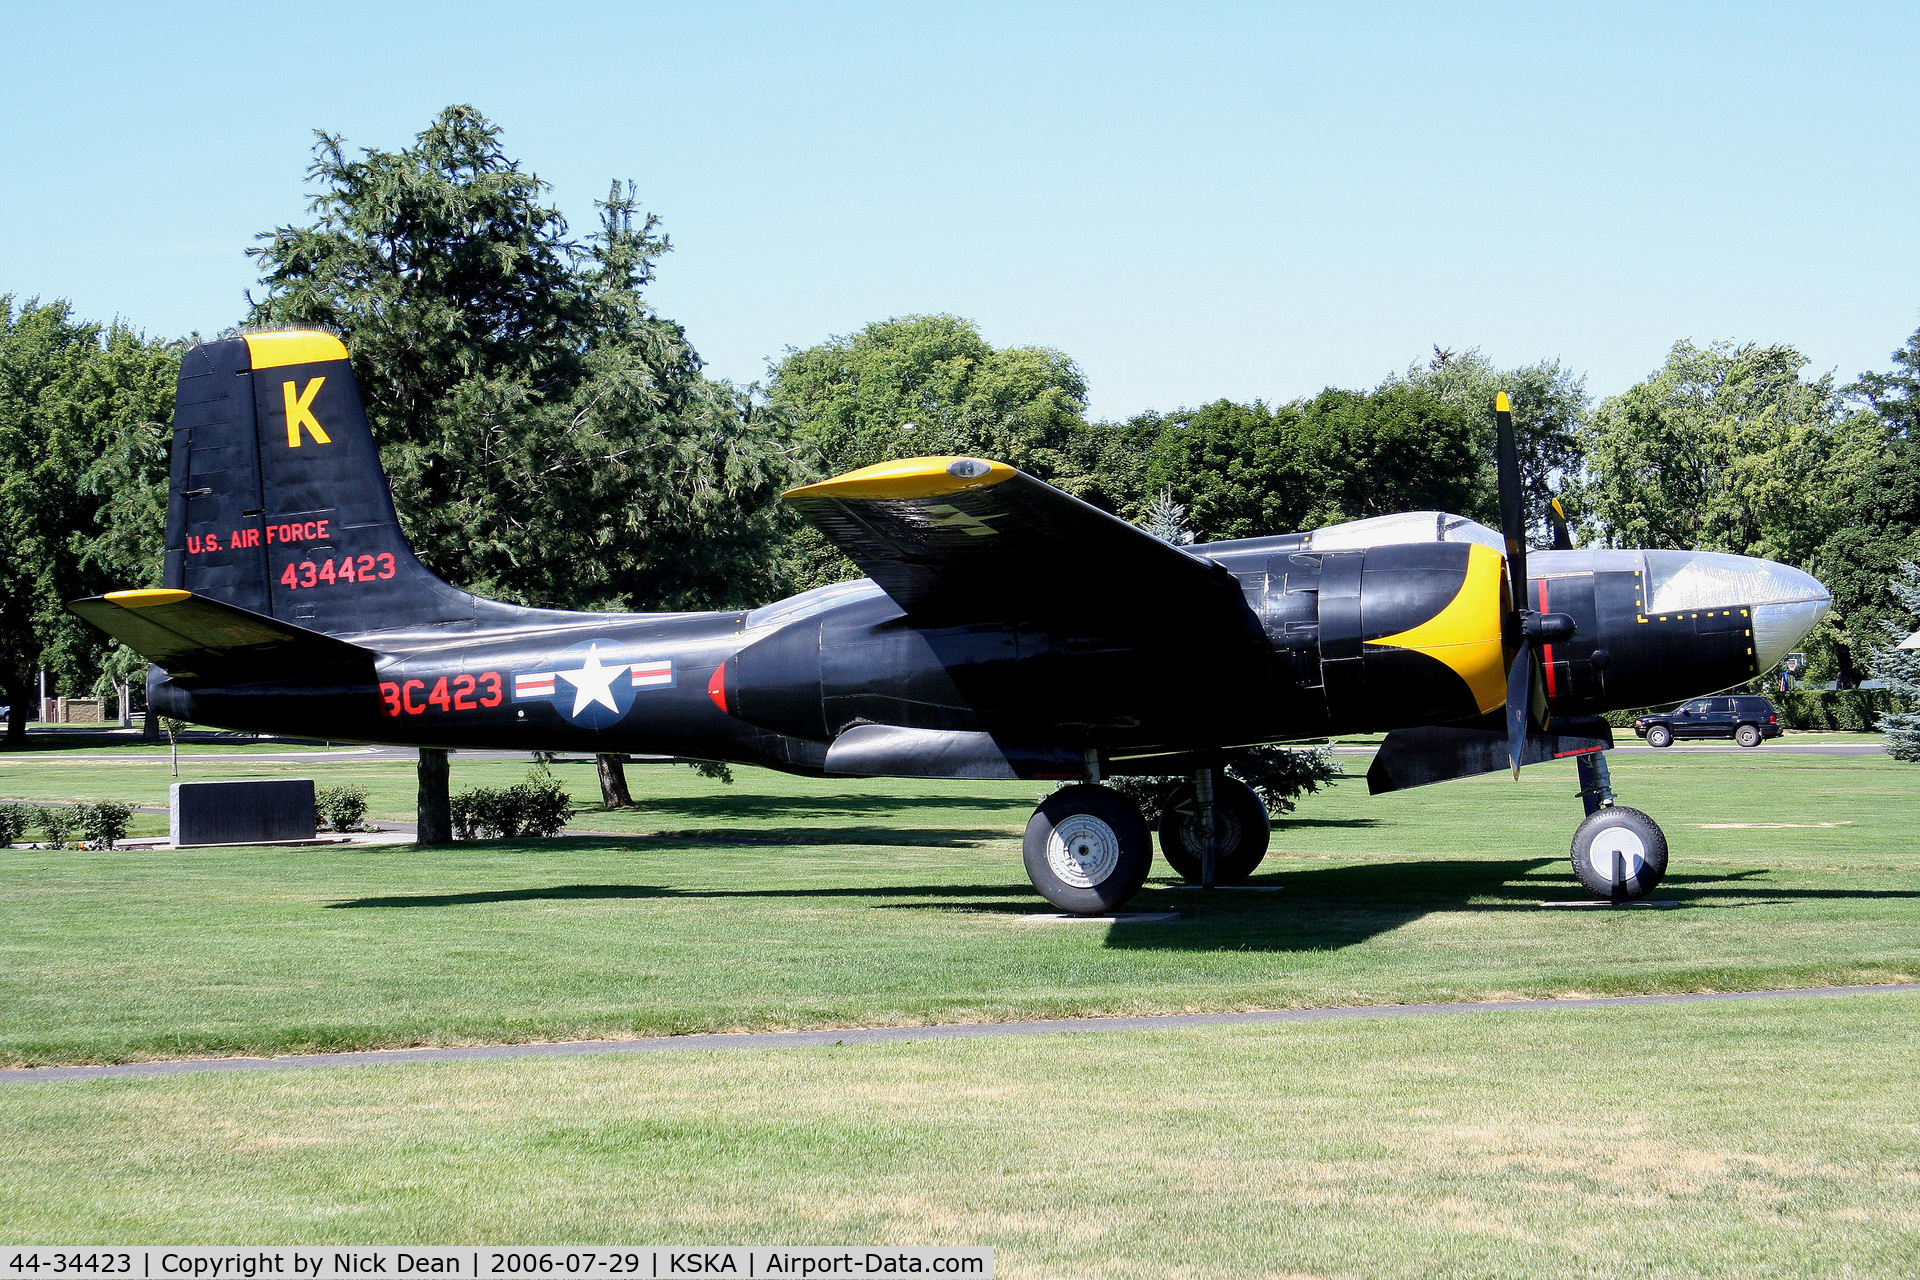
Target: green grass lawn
(784,902)
(1763,1139)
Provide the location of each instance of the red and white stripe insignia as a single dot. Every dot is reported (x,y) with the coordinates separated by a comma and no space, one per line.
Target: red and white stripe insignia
(646,674)
(536,685)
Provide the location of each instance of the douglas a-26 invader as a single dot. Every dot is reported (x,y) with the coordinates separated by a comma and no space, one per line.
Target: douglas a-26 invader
(1005,630)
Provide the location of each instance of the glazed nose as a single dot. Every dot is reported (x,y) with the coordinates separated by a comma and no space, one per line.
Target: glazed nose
(1786,602)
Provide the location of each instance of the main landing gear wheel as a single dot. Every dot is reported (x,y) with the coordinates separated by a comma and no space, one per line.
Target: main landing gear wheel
(1240,831)
(1659,736)
(1619,853)
(1748,735)
(1087,849)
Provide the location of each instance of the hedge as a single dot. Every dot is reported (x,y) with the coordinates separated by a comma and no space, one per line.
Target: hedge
(1847,710)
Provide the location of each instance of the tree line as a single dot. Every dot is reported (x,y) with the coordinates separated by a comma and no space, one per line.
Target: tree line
(552,439)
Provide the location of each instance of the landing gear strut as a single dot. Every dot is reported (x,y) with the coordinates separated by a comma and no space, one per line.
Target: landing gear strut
(1215,843)
(1618,853)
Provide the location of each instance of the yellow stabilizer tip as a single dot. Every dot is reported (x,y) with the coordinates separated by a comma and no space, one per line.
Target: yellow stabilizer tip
(910,478)
(273,350)
(1501,404)
(1560,509)
(148,598)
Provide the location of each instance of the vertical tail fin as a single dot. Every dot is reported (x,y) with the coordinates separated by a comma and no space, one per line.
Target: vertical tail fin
(278,503)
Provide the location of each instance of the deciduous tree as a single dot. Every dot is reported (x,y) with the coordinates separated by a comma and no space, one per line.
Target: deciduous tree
(1729,448)
(1550,409)
(926,386)
(80,405)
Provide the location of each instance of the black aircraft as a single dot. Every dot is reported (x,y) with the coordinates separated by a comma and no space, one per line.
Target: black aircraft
(1005,630)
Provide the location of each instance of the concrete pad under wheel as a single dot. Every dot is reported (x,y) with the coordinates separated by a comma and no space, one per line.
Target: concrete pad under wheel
(1117,917)
(1602,902)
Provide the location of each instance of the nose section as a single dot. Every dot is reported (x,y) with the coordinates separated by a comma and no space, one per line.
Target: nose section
(1786,602)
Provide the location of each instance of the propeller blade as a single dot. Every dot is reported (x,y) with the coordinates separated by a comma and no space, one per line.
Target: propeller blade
(1562,540)
(1519,698)
(1513,511)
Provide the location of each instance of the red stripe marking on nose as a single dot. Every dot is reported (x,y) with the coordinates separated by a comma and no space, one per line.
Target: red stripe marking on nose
(1546,650)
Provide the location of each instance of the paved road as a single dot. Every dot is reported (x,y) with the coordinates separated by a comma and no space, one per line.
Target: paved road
(894,1035)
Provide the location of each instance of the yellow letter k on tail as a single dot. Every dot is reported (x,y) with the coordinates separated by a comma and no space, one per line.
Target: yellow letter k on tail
(300,413)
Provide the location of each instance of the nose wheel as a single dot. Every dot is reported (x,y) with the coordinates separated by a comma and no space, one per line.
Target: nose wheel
(1619,854)
(1087,850)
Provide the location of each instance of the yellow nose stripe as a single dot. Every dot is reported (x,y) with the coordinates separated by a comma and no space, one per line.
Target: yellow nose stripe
(1466,634)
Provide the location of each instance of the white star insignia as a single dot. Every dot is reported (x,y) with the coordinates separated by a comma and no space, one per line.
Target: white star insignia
(593,683)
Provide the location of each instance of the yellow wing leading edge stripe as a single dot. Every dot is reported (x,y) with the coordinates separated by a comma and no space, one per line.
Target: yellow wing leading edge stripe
(275,350)
(910,478)
(1465,636)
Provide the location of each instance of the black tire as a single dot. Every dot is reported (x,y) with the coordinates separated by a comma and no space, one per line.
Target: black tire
(1087,849)
(1240,828)
(1637,840)
(1749,735)
(1659,736)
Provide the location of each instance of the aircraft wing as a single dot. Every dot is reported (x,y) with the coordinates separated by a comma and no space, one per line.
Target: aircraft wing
(967,540)
(191,637)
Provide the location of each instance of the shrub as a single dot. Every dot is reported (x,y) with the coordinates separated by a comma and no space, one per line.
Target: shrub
(544,805)
(57,826)
(105,822)
(1277,774)
(537,807)
(14,821)
(477,813)
(341,808)
(1848,710)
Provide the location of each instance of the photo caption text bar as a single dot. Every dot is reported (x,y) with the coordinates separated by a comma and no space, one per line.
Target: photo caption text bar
(474,1262)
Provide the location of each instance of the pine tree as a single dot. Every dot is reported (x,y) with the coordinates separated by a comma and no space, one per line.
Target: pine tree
(1167,520)
(1900,668)
(550,439)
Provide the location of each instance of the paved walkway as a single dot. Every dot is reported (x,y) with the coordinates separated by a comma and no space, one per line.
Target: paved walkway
(894,1035)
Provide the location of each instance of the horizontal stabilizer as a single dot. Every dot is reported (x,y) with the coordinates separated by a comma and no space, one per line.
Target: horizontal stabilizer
(1433,753)
(890,751)
(193,638)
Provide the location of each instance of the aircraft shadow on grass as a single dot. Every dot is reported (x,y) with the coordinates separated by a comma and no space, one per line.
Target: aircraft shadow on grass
(749,807)
(914,837)
(1323,909)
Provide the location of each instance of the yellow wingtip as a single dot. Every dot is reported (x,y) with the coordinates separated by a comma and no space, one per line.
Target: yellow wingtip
(293,346)
(1501,404)
(146,599)
(910,478)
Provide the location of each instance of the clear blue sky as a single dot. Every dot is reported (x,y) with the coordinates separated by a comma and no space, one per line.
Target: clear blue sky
(1192,201)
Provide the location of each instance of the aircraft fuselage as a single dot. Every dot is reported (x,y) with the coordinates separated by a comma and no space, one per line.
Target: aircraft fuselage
(1331,642)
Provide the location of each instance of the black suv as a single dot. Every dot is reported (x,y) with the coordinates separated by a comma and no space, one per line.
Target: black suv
(1748,720)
